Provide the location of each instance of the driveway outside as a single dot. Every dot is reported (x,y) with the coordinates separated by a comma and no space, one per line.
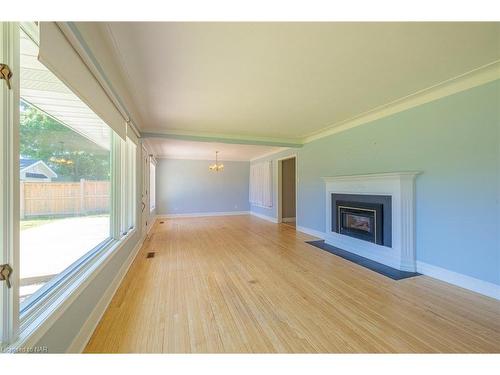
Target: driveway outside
(48,249)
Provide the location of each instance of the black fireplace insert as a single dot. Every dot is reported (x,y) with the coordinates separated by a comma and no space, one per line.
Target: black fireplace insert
(367,217)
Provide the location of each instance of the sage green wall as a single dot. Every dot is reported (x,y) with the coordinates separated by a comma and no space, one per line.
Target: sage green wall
(454,142)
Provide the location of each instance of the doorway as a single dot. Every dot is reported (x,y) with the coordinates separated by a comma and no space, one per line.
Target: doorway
(287,190)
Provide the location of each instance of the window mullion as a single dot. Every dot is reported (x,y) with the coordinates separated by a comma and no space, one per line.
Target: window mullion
(116,151)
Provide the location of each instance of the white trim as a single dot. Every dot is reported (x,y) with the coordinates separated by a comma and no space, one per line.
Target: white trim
(265,217)
(220,137)
(35,330)
(198,158)
(479,76)
(311,232)
(476,285)
(266,155)
(288,219)
(476,77)
(456,279)
(370,176)
(401,187)
(9,173)
(82,338)
(76,40)
(203,214)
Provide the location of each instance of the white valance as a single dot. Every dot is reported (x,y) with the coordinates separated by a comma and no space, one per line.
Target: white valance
(57,54)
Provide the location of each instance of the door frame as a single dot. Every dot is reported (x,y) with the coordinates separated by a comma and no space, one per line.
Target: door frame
(9,186)
(145,225)
(280,186)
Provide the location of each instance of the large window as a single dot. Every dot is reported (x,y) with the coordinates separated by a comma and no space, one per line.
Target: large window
(68,195)
(65,176)
(64,197)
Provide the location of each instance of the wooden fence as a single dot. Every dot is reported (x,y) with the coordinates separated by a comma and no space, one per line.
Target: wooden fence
(64,198)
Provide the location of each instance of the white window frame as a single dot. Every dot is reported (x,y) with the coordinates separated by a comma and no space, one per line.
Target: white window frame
(132,149)
(23,329)
(9,185)
(152,184)
(128,193)
(124,184)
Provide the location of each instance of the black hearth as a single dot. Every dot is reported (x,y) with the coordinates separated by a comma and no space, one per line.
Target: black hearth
(367,217)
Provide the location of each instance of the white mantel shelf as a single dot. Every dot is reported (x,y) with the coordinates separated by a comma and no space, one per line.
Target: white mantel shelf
(377,176)
(401,187)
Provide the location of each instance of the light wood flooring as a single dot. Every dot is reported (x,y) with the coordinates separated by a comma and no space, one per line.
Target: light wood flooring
(241,284)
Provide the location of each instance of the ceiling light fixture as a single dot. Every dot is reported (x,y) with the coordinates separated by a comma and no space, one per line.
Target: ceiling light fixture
(217,167)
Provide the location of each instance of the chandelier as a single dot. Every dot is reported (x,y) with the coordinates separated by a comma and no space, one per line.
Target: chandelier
(62,160)
(217,167)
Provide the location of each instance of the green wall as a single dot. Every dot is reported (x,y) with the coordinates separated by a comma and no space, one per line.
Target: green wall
(454,142)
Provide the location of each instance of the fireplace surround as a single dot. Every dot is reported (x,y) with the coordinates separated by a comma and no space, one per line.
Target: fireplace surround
(396,193)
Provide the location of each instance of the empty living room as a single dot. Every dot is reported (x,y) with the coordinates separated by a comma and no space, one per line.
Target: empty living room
(205,180)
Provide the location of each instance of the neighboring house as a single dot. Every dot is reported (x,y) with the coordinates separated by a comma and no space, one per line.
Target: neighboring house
(34,170)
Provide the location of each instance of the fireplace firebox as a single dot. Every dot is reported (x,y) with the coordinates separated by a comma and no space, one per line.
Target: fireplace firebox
(366,217)
(363,221)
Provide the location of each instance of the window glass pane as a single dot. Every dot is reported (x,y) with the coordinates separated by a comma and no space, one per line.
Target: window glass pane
(124,191)
(152,187)
(65,169)
(131,157)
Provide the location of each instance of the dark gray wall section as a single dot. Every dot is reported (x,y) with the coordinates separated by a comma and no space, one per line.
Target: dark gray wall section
(288,188)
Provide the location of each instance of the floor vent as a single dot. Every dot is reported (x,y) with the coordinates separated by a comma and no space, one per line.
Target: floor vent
(162,222)
(151,254)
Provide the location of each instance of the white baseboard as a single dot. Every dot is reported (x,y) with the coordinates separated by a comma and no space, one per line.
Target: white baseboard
(82,338)
(203,214)
(288,219)
(311,232)
(467,282)
(265,217)
(461,280)
(85,333)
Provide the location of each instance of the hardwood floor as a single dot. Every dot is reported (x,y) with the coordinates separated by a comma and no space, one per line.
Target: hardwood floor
(241,284)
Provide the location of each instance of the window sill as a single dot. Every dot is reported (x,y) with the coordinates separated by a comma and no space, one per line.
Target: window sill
(38,319)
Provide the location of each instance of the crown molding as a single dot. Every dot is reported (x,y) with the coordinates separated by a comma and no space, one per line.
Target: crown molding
(221,138)
(476,77)
(267,154)
(76,39)
(199,158)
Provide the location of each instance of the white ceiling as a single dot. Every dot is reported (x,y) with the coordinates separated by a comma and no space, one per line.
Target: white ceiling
(287,80)
(180,149)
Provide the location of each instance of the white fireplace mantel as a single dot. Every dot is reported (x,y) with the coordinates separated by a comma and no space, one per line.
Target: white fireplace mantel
(401,187)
